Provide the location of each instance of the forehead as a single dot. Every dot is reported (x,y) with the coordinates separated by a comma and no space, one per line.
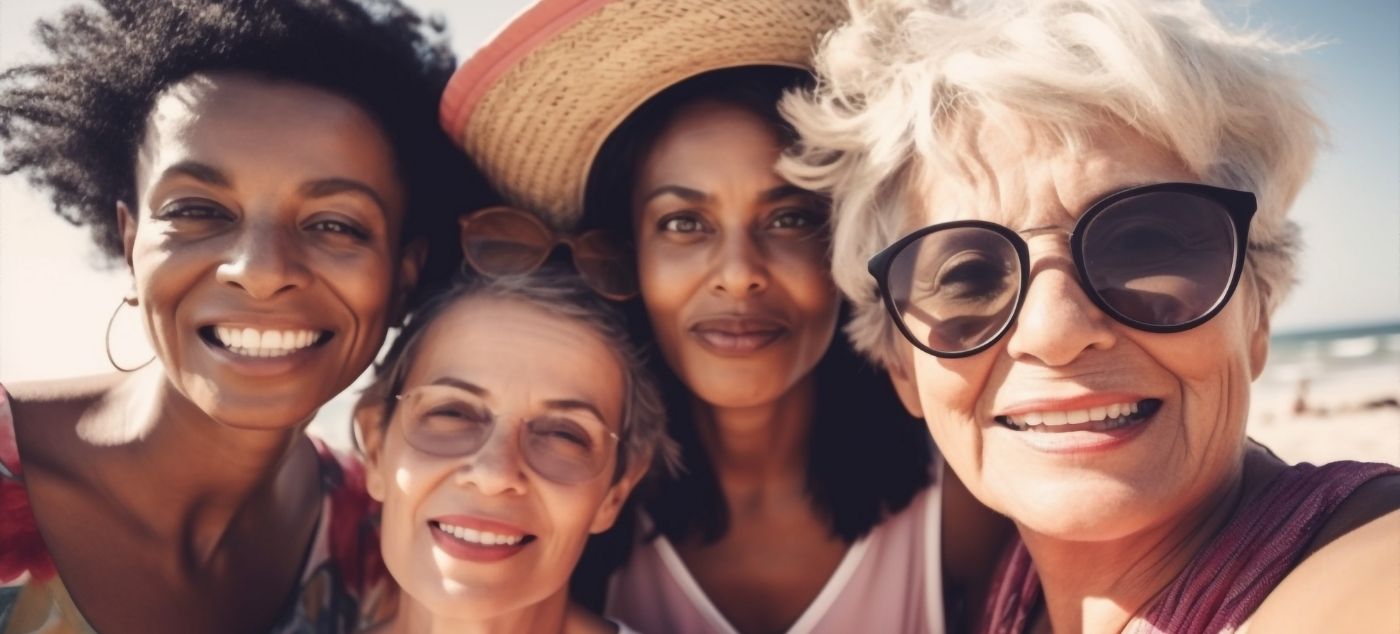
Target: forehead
(712,137)
(1022,177)
(521,354)
(238,122)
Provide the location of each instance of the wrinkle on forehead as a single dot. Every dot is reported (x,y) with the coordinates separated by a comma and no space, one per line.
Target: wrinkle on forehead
(1034,178)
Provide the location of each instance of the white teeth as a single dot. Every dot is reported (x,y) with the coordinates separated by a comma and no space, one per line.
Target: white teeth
(1074,417)
(484,538)
(250,342)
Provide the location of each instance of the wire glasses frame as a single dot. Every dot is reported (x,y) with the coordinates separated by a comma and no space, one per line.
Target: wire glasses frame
(508,241)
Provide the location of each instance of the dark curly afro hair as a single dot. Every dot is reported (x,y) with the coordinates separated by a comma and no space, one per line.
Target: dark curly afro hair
(72,124)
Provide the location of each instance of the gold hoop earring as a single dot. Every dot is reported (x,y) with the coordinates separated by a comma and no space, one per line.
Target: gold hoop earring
(107,340)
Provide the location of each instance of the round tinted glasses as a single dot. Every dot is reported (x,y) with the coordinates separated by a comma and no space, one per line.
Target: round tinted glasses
(508,241)
(567,445)
(1160,258)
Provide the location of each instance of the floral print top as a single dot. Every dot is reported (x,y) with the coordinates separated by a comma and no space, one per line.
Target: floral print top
(344,585)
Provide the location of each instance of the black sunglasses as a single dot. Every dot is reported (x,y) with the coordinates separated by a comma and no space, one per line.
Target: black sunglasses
(1161,258)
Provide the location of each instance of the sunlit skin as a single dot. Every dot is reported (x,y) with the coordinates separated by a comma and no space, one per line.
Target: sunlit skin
(523,363)
(722,239)
(225,234)
(735,280)
(1164,489)
(264,204)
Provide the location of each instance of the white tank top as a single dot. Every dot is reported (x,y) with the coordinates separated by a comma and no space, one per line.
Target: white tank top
(891,580)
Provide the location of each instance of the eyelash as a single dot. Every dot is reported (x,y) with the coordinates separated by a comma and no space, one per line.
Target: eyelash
(665,224)
(191,211)
(336,226)
(810,219)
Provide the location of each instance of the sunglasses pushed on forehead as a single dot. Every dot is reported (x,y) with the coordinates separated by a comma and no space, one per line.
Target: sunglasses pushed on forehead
(1159,258)
(507,241)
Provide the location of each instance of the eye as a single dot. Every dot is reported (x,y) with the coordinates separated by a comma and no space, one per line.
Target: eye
(971,276)
(796,220)
(680,223)
(557,430)
(338,227)
(193,209)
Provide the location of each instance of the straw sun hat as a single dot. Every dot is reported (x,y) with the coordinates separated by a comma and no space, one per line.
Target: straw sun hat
(535,104)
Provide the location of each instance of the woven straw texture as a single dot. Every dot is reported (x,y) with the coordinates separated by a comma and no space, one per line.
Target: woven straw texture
(536,130)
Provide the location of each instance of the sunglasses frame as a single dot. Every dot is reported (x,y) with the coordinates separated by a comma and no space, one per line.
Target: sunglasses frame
(556,238)
(521,429)
(1240,206)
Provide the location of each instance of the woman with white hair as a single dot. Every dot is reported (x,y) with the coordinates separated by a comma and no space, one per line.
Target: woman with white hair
(1063,226)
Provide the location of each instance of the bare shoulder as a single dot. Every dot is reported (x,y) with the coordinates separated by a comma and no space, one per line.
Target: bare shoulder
(45,413)
(43,400)
(1348,581)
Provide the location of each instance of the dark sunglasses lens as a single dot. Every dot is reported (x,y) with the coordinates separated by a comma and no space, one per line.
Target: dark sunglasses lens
(956,289)
(606,265)
(505,243)
(1163,259)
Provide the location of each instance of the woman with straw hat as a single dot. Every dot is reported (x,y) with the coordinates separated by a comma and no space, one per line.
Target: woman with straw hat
(809,501)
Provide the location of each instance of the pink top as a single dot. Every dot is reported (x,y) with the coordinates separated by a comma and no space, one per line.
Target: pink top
(1225,583)
(889,581)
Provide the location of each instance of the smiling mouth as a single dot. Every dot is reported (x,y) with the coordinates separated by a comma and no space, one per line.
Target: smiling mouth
(251,342)
(738,335)
(480,538)
(1100,419)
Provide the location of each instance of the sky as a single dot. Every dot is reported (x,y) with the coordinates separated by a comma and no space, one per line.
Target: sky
(57,294)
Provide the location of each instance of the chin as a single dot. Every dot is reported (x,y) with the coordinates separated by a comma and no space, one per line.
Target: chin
(1096,509)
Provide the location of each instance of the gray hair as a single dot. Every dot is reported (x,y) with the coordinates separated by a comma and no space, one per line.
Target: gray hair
(906,81)
(561,293)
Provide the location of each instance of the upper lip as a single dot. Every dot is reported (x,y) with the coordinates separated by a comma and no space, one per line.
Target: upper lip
(739,324)
(1069,403)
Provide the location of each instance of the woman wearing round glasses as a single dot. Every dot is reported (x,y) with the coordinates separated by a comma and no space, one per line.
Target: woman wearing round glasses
(1063,226)
(509,421)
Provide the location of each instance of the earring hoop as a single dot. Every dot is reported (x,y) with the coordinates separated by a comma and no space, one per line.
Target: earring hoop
(107,340)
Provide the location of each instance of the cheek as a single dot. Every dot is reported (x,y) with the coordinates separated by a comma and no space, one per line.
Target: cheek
(571,511)
(951,392)
(365,282)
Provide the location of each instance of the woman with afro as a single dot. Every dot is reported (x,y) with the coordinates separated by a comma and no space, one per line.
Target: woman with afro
(272,177)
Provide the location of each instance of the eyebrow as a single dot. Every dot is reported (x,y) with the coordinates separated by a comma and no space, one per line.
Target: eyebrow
(332,186)
(785,191)
(314,189)
(462,385)
(557,404)
(575,404)
(686,193)
(199,171)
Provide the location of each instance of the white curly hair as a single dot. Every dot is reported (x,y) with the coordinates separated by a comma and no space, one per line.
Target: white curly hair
(905,82)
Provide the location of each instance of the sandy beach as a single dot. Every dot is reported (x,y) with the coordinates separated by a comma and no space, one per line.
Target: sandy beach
(1353,416)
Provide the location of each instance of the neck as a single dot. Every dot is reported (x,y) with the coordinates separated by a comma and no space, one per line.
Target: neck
(208,474)
(759,447)
(1101,586)
(550,616)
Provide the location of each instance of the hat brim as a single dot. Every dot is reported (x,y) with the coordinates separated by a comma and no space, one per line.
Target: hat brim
(534,106)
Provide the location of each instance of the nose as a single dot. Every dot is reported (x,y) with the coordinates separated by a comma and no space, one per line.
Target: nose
(265,260)
(1058,322)
(742,266)
(498,468)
